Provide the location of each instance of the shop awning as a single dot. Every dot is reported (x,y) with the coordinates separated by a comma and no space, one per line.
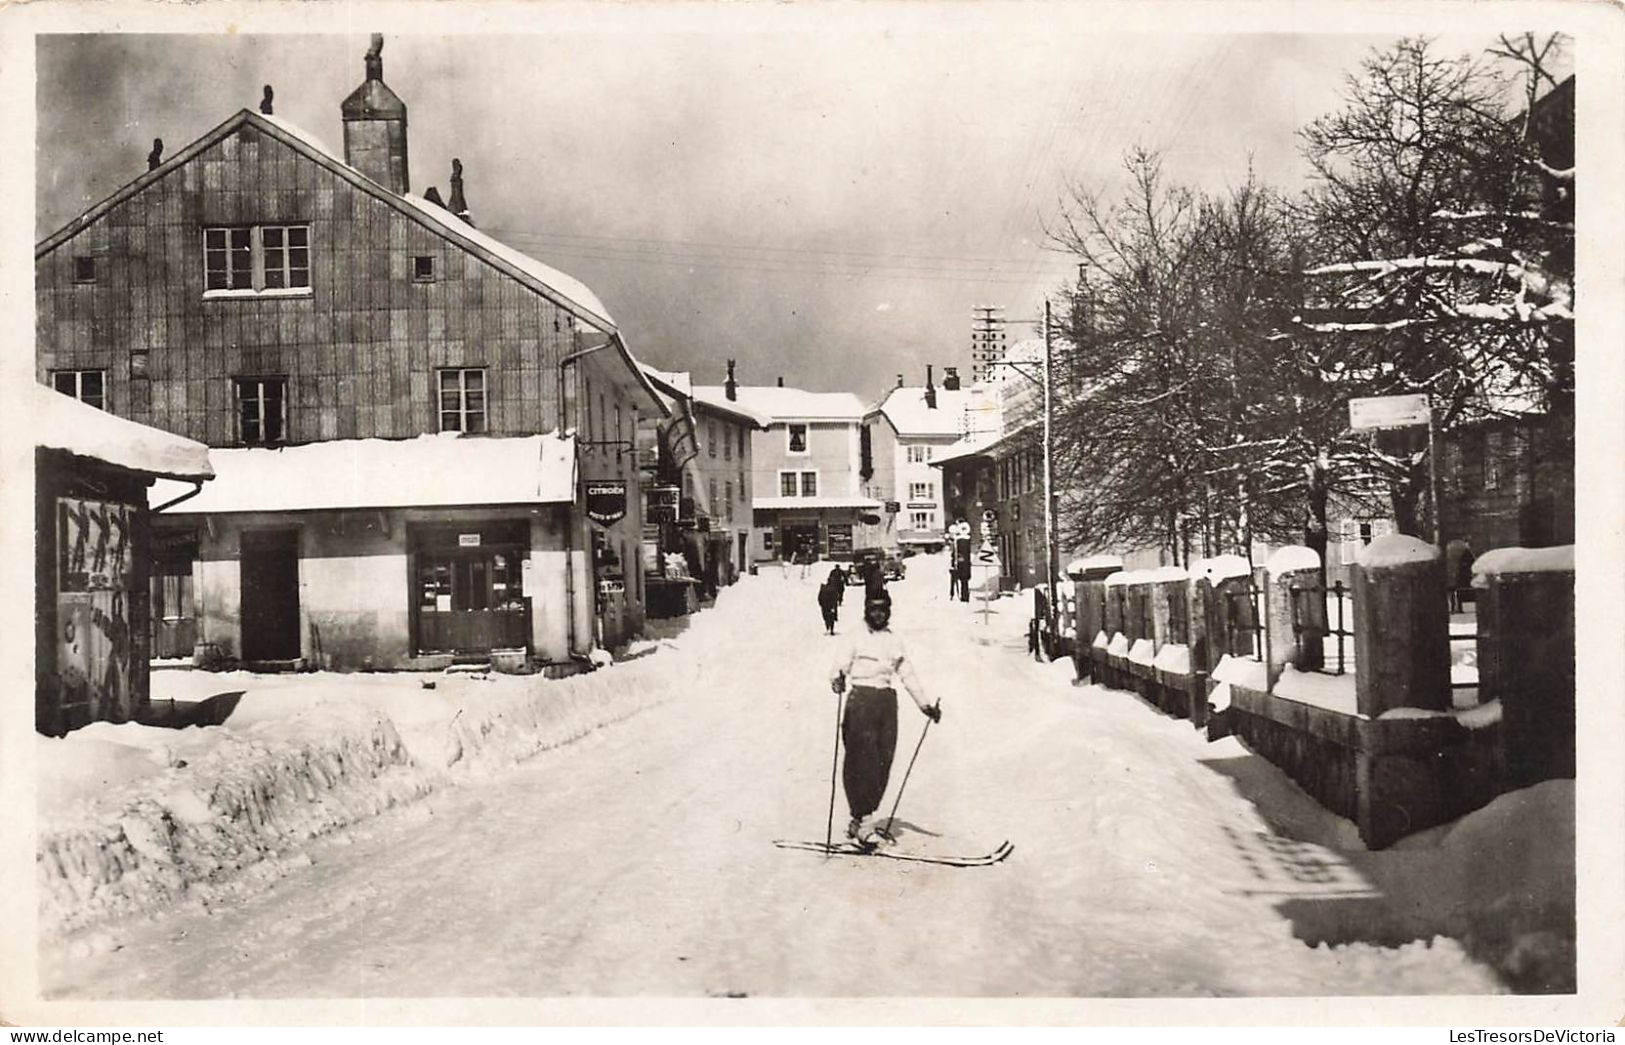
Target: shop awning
(429,471)
(791,503)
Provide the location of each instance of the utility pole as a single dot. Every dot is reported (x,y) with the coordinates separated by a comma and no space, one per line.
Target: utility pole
(1050,556)
(987,340)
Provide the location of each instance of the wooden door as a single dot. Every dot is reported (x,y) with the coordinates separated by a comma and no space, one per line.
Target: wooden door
(270,595)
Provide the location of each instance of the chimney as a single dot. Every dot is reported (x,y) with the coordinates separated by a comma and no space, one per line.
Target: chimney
(375,126)
(781,380)
(950,379)
(930,390)
(156,156)
(899,380)
(457,204)
(265,100)
(729,387)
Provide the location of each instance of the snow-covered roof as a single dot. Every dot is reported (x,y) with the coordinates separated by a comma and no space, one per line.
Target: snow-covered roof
(63,423)
(428,471)
(779,404)
(970,446)
(906,409)
(672,383)
(715,397)
(814,502)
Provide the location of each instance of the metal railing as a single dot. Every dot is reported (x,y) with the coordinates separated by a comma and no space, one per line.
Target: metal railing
(1243,614)
(1335,656)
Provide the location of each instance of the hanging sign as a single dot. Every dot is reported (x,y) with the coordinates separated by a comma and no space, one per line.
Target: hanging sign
(1406,411)
(468,540)
(894,507)
(663,503)
(606,501)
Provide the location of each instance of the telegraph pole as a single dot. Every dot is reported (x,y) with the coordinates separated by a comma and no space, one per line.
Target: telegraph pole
(1050,556)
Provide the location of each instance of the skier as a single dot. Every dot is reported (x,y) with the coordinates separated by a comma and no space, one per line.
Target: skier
(872,663)
(830,594)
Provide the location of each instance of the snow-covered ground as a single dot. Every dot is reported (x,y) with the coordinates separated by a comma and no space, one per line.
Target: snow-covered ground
(638,859)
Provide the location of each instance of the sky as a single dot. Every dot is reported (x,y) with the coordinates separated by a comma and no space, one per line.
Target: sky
(823,194)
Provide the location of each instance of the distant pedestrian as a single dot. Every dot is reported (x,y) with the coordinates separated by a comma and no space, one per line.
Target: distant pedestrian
(830,594)
(872,663)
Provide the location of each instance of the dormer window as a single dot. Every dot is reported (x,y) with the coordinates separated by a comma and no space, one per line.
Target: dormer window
(256,259)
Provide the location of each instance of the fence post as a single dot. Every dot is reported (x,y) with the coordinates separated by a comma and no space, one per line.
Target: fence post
(1525,601)
(1401,626)
(1292,566)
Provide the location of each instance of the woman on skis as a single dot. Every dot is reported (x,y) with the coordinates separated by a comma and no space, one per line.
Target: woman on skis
(872,663)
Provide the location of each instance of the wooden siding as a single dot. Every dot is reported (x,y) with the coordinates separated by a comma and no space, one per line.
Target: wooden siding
(359,351)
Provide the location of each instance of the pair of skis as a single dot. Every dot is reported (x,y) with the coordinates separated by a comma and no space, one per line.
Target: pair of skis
(1003,850)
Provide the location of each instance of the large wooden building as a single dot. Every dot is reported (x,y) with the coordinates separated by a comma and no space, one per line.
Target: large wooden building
(306,313)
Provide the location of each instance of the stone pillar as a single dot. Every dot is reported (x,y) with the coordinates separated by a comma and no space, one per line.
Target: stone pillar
(1401,626)
(1291,567)
(1526,658)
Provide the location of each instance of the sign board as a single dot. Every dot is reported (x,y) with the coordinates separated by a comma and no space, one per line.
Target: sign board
(840,539)
(608,587)
(922,504)
(894,507)
(869,519)
(468,540)
(1405,411)
(606,501)
(663,503)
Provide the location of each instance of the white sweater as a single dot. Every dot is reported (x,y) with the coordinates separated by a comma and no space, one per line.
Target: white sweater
(877,659)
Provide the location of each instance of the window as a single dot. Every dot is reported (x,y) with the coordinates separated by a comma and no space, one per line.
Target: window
(728,501)
(1493,459)
(257,258)
(84,269)
(919,520)
(922,491)
(87,386)
(741,444)
(727,446)
(919,453)
(787,484)
(710,438)
(261,410)
(423,268)
(711,497)
(797,435)
(462,400)
(809,484)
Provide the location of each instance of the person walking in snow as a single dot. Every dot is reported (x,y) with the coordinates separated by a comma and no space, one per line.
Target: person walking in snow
(830,594)
(872,663)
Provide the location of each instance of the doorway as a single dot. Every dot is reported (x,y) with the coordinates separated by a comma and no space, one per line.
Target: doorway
(270,594)
(800,542)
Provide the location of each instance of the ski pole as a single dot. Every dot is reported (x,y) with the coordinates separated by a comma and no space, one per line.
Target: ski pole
(834,761)
(898,800)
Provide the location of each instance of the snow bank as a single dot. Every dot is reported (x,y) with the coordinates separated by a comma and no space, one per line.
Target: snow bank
(1396,549)
(1522,560)
(1174,657)
(1219,699)
(1101,641)
(134,817)
(1142,652)
(1242,671)
(1118,647)
(1290,559)
(1333,692)
(1221,568)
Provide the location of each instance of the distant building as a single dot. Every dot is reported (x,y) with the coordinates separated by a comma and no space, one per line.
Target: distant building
(705,456)
(92,529)
(416,422)
(807,495)
(907,430)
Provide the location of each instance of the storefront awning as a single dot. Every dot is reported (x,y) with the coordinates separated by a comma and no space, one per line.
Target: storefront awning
(793,503)
(430,471)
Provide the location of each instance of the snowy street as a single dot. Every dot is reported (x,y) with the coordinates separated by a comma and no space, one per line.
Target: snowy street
(638,859)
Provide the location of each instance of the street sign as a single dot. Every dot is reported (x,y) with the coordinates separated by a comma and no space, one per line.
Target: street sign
(1375,412)
(606,501)
(662,503)
(894,507)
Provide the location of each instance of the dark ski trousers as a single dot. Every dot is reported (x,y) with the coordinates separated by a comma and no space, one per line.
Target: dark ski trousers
(869,731)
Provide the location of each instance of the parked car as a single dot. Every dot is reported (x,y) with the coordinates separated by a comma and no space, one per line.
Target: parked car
(891,567)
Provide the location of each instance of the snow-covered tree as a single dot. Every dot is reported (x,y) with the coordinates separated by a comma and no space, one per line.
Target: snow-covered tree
(1440,265)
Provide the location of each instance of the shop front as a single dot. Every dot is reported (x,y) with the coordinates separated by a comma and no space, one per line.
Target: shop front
(470,592)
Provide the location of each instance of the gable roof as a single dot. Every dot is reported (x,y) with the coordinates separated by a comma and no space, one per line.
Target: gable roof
(561,289)
(779,404)
(905,408)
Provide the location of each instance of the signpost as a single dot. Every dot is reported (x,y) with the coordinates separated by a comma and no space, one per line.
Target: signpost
(1381,413)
